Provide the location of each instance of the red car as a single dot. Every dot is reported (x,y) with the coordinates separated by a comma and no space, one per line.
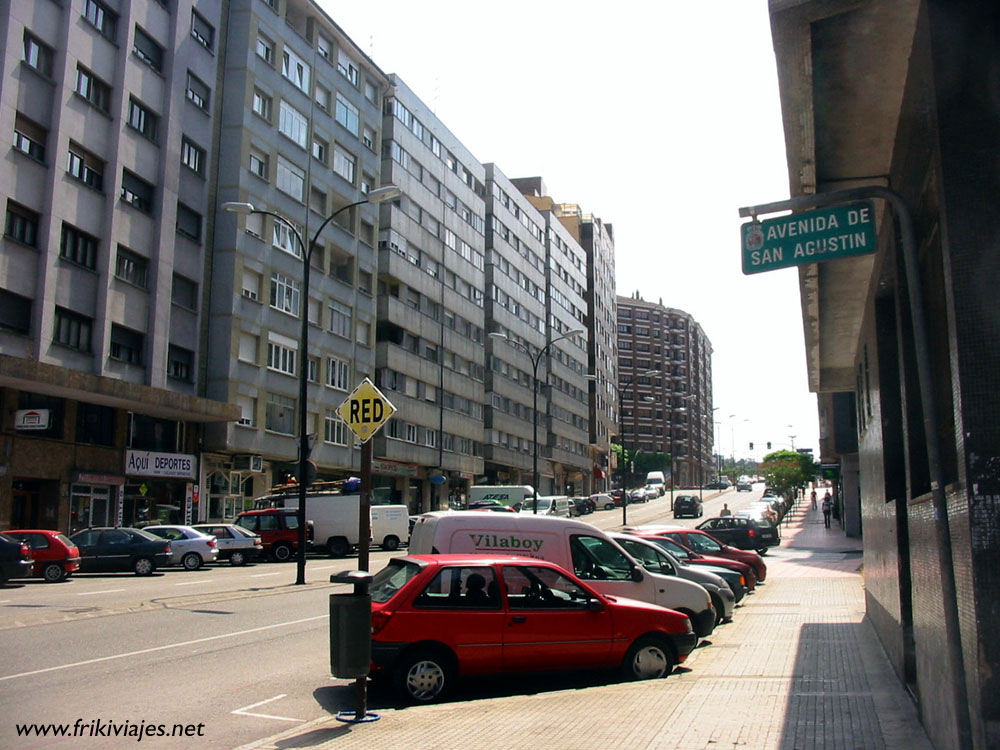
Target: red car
(55,555)
(706,544)
(438,617)
(278,529)
(748,575)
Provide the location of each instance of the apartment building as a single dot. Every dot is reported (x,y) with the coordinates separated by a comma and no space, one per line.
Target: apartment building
(300,138)
(669,411)
(112,110)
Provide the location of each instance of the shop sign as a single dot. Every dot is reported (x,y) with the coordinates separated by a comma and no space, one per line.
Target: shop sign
(150,464)
(31,419)
(92,477)
(393,468)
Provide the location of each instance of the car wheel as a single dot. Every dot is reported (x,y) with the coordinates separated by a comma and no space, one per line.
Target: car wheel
(283,552)
(238,558)
(390,543)
(53,573)
(609,506)
(143,567)
(761,551)
(424,675)
(719,607)
(647,659)
(191,561)
(337,547)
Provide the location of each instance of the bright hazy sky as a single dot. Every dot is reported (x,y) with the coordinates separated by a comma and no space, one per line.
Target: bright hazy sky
(661,118)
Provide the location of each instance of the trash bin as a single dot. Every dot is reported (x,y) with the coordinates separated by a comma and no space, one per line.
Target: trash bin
(350,626)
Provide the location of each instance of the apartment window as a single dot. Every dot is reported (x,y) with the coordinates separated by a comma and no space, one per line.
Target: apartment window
(126,345)
(202,30)
(29,137)
(258,163)
(291,179)
(293,124)
(85,167)
(312,369)
(347,114)
(323,97)
(285,294)
(411,433)
(137,192)
(282,355)
(262,104)
(197,91)
(436,147)
(323,46)
(347,68)
(142,119)
(93,89)
(72,329)
(251,284)
(21,224)
(37,55)
(146,49)
(248,411)
(320,148)
(101,17)
(180,363)
(184,292)
(192,156)
(338,374)
(78,247)
(317,202)
(15,312)
(366,185)
(265,49)
(295,69)
(283,238)
(254,225)
(362,333)
(131,267)
(188,222)
(340,319)
(334,429)
(280,414)
(371,92)
(248,348)
(368,137)
(343,164)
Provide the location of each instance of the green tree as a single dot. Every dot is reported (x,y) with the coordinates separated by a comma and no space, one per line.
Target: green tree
(786,471)
(643,463)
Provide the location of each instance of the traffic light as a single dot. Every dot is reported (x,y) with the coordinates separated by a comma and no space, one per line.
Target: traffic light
(751,446)
(769,445)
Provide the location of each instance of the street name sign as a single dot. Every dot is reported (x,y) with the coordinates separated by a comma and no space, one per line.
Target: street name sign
(808,237)
(366,410)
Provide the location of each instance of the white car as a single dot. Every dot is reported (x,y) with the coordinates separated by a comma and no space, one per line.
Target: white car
(236,544)
(188,546)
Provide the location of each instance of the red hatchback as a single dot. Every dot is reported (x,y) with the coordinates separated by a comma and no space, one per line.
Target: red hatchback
(438,617)
(707,544)
(55,555)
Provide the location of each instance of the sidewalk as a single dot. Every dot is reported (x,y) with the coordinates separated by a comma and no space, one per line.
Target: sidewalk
(798,668)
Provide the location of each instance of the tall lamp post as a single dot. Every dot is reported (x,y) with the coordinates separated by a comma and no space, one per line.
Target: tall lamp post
(535,360)
(375,196)
(679,410)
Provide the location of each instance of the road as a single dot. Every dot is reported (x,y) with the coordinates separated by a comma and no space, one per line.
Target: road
(240,651)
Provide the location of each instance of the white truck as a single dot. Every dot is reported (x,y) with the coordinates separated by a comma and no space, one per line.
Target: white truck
(504,494)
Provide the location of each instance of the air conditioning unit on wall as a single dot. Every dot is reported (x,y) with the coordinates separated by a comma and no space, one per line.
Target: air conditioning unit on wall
(248,463)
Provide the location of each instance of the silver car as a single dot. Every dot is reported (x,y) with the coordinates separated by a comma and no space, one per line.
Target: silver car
(236,544)
(189,547)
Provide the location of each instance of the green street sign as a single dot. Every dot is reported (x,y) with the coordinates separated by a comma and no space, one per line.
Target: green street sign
(808,237)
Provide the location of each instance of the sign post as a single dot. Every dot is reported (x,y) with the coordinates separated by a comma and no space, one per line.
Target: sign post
(365,411)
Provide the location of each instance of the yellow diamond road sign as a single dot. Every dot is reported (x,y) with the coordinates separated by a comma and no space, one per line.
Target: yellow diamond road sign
(366,410)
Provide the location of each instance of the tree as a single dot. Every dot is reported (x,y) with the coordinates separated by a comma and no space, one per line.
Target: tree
(786,471)
(639,462)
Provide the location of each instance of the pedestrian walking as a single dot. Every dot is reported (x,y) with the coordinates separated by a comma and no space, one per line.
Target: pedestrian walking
(813,495)
(725,510)
(827,509)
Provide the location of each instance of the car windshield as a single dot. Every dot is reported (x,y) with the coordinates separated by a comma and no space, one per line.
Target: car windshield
(138,535)
(391,579)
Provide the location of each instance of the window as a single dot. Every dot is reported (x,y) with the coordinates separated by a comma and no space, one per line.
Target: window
(262,104)
(93,89)
(285,239)
(37,55)
(126,345)
(142,119)
(197,91)
(343,164)
(280,414)
(323,98)
(293,124)
(29,137)
(202,30)
(248,348)
(15,312)
(131,267)
(411,433)
(295,69)
(320,148)
(95,424)
(368,137)
(251,284)
(248,411)
(258,163)
(188,222)
(317,202)
(184,292)
(291,179)
(78,247)
(146,49)
(285,294)
(323,46)
(347,114)
(282,354)
(347,68)
(334,429)
(180,363)
(192,156)
(340,319)
(101,17)
(265,49)
(85,167)
(362,333)
(371,92)
(21,224)
(137,192)
(337,374)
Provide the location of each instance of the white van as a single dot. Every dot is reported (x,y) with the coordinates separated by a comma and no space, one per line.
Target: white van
(504,494)
(548,505)
(655,477)
(575,545)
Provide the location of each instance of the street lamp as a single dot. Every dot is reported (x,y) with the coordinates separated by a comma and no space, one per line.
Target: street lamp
(378,195)
(535,359)
(679,410)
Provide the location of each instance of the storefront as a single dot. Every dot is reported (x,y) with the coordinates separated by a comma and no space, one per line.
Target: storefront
(93,500)
(159,488)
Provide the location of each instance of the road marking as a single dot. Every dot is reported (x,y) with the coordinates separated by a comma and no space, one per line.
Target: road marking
(265,575)
(193,583)
(325,567)
(105,591)
(154,649)
(245,711)
(6,601)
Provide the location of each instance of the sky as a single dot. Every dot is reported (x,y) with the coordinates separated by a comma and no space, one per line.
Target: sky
(661,118)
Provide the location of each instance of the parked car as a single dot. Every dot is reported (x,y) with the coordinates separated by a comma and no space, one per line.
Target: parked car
(688,505)
(15,559)
(548,506)
(605,501)
(744,533)
(438,617)
(189,547)
(638,495)
(236,544)
(741,577)
(758,511)
(656,489)
(105,550)
(489,506)
(701,541)
(278,529)
(584,505)
(55,556)
(744,485)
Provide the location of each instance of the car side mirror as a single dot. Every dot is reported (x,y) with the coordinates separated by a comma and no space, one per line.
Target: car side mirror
(637,574)
(594,604)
